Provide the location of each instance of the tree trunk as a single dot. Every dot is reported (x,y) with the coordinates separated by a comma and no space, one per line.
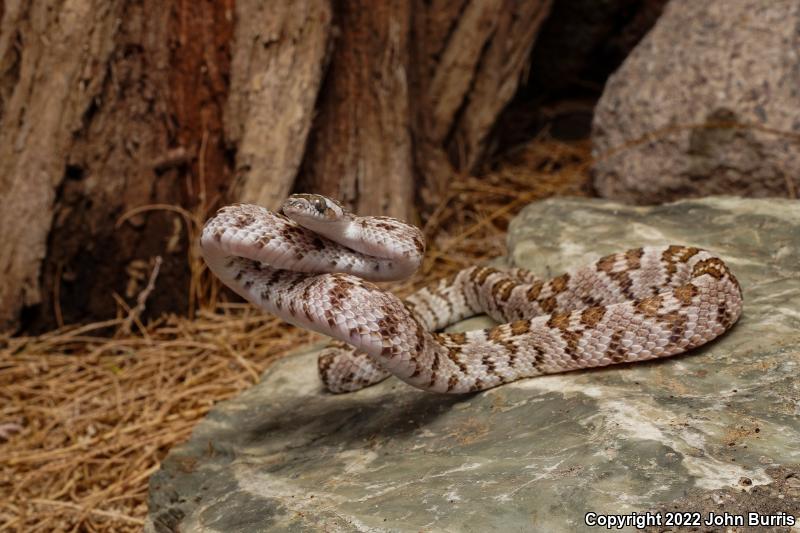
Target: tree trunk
(361,146)
(39,114)
(108,106)
(470,57)
(279,57)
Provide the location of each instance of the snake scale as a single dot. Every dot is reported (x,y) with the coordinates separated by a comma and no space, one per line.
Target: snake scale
(313,264)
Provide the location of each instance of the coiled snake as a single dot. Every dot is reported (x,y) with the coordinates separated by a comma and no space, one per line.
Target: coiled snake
(312,265)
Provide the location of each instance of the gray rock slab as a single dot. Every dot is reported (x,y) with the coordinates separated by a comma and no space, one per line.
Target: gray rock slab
(718,423)
(704,63)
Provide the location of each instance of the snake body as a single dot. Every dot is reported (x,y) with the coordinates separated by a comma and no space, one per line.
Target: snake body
(312,265)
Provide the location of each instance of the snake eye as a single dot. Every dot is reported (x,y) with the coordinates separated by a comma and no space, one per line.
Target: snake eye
(320,205)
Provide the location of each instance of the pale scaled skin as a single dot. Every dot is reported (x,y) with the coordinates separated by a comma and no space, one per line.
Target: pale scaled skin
(310,266)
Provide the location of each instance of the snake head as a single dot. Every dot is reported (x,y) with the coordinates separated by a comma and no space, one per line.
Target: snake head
(312,207)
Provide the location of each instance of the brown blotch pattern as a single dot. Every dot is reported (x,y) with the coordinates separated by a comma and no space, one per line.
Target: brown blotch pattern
(496,334)
(712,266)
(307,311)
(675,323)
(458,338)
(478,385)
(538,358)
(561,321)
(501,290)
(434,370)
(606,264)
(559,284)
(420,340)
(340,291)
(616,351)
(263,240)
(634,258)
(589,301)
(453,353)
(686,293)
(592,316)
(480,274)
(452,382)
(324,362)
(534,291)
(649,306)
(389,351)
(511,351)
(724,315)
(488,364)
(388,325)
(633,261)
(674,255)
(520,327)
(621,278)
(687,253)
(549,304)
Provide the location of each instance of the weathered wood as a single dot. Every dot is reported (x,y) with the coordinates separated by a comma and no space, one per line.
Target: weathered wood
(499,73)
(360,148)
(40,112)
(117,108)
(482,58)
(433,22)
(280,54)
(458,66)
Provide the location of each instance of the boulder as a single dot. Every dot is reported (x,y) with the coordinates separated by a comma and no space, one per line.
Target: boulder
(669,123)
(717,426)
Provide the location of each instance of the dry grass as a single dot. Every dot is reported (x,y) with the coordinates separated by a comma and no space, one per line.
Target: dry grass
(99,412)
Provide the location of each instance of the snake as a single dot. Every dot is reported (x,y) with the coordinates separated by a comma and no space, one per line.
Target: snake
(315,264)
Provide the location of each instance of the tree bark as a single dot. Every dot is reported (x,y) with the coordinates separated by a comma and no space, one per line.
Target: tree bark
(117,108)
(499,72)
(39,114)
(361,145)
(470,64)
(279,58)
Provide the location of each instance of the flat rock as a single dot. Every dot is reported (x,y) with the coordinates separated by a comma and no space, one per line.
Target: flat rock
(718,425)
(661,129)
